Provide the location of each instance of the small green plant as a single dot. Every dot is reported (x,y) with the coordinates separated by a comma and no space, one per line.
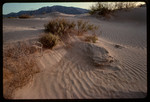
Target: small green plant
(92,38)
(49,40)
(24,16)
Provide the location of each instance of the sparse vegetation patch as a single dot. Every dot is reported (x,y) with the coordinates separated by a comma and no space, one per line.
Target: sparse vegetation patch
(11,17)
(84,26)
(18,67)
(61,29)
(59,26)
(99,9)
(49,40)
(24,16)
(107,9)
(92,38)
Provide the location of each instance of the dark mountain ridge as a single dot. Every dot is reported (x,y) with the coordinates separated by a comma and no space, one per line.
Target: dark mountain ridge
(44,10)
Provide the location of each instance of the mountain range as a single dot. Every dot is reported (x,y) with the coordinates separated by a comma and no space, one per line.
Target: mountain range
(44,10)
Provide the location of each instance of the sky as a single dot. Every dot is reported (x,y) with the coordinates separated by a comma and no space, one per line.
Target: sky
(16,7)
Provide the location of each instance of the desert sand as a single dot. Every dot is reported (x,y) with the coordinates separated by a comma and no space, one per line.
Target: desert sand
(70,73)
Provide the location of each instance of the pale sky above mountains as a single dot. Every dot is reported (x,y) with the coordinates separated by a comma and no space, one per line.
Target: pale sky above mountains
(16,7)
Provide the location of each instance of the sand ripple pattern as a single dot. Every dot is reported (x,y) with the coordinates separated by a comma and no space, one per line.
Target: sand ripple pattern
(71,75)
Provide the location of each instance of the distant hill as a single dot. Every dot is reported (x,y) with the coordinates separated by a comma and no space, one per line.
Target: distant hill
(44,10)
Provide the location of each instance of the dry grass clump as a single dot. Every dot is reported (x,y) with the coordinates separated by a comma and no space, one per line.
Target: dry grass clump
(104,12)
(91,38)
(107,9)
(84,26)
(24,16)
(125,5)
(59,26)
(61,29)
(18,49)
(100,9)
(18,68)
(12,17)
(49,40)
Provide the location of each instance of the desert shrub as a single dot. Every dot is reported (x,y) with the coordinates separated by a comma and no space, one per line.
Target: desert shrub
(92,38)
(99,9)
(11,17)
(92,28)
(49,40)
(95,8)
(24,16)
(106,9)
(59,26)
(62,27)
(18,68)
(18,49)
(84,27)
(92,10)
(125,5)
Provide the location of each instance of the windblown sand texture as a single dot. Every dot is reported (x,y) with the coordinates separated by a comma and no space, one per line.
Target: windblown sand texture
(113,67)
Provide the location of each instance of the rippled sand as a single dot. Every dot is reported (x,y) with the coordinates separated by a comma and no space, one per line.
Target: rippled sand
(69,73)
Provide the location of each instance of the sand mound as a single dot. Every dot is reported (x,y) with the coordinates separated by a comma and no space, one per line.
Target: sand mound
(71,73)
(68,73)
(127,28)
(131,15)
(54,14)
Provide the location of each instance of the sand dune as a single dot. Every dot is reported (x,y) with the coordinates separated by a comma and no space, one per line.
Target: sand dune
(52,15)
(68,74)
(132,15)
(72,73)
